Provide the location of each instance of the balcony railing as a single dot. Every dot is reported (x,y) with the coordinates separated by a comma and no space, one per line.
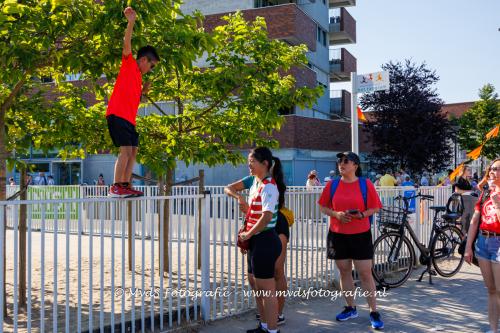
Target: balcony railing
(342,27)
(340,103)
(342,63)
(268,3)
(341,3)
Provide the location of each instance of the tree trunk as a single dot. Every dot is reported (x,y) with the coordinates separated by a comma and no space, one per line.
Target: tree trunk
(167,183)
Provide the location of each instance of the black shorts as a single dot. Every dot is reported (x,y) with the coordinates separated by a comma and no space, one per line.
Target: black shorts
(282,227)
(122,132)
(265,248)
(350,246)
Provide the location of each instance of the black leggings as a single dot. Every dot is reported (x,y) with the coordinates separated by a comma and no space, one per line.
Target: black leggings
(265,248)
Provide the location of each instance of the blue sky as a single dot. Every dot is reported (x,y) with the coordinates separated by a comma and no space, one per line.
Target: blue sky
(459,39)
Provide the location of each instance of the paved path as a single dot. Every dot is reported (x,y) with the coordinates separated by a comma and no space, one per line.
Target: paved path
(454,305)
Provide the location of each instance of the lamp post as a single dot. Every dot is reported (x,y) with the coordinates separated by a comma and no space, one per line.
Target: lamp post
(455,128)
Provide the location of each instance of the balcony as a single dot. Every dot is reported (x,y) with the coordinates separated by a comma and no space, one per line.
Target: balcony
(340,103)
(342,63)
(286,22)
(342,27)
(268,3)
(341,3)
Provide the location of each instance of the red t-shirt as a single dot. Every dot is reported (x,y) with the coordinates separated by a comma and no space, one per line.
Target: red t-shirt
(489,218)
(126,95)
(348,196)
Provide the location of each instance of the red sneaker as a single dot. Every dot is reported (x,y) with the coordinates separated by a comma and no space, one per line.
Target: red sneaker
(137,193)
(117,191)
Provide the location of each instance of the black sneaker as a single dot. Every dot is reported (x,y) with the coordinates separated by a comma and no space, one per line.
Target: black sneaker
(259,329)
(257,316)
(281,320)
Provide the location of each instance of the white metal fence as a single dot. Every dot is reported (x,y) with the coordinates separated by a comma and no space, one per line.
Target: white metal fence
(85,273)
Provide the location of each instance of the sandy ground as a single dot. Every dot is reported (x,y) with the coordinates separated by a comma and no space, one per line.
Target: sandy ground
(227,275)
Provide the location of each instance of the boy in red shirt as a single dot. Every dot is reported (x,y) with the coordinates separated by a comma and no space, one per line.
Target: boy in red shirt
(122,108)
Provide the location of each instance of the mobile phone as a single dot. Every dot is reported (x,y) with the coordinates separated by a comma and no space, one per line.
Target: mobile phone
(352,211)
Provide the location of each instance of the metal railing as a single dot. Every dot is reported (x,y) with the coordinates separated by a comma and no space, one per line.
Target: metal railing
(84,272)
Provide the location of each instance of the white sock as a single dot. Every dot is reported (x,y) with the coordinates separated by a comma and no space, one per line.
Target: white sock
(263,325)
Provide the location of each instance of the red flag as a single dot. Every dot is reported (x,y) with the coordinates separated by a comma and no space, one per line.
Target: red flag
(361,116)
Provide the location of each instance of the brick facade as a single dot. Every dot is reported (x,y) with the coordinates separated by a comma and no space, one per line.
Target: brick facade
(319,134)
(287,22)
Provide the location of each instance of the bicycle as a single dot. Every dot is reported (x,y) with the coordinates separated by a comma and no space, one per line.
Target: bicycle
(394,255)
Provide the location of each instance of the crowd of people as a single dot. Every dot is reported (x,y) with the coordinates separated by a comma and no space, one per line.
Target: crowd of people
(349,200)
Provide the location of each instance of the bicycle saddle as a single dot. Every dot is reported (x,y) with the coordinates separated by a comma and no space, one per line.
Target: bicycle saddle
(438,208)
(451,216)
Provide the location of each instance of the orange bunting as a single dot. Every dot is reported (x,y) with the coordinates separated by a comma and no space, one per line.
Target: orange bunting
(493,133)
(361,116)
(475,153)
(456,172)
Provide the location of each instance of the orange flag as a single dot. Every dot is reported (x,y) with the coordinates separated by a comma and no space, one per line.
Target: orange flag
(361,116)
(475,153)
(456,171)
(493,133)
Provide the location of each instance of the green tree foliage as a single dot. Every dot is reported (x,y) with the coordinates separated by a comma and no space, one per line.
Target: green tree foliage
(232,99)
(408,129)
(478,121)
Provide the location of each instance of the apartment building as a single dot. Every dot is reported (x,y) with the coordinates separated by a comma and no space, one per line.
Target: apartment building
(311,137)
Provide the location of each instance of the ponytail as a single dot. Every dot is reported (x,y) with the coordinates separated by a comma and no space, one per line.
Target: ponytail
(262,154)
(277,173)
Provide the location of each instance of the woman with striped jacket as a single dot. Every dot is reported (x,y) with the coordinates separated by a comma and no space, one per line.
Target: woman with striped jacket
(266,193)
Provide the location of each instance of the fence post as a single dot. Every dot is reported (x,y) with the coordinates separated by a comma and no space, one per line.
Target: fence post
(3,311)
(201,189)
(205,261)
(22,243)
(131,237)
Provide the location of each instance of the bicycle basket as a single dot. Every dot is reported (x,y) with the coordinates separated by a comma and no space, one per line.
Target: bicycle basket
(390,217)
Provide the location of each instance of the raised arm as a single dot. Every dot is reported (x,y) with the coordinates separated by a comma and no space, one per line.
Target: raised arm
(127,40)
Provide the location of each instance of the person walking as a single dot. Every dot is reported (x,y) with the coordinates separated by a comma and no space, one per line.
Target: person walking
(312,180)
(463,183)
(122,108)
(349,238)
(266,194)
(388,179)
(100,180)
(487,246)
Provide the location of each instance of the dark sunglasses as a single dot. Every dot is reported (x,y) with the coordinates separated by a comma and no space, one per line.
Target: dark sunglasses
(343,161)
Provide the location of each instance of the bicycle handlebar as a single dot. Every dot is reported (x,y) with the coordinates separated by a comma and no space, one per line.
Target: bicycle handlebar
(423,196)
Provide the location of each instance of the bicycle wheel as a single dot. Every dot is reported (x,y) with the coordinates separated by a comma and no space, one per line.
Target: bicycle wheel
(444,251)
(393,259)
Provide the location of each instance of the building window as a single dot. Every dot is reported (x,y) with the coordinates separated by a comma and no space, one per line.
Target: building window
(321,36)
